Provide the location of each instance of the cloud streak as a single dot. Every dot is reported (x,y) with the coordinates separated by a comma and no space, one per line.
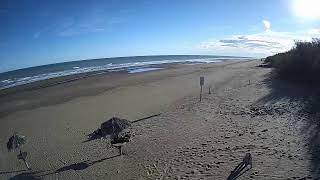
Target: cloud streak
(260,44)
(71,27)
(93,22)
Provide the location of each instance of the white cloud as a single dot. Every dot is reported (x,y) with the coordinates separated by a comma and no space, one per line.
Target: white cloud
(307,9)
(266,24)
(259,44)
(314,32)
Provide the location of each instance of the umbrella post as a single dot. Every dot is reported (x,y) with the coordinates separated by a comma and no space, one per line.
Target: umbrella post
(120,150)
(26,163)
(23,156)
(119,147)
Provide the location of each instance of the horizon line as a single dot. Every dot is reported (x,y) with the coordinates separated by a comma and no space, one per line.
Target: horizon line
(114,57)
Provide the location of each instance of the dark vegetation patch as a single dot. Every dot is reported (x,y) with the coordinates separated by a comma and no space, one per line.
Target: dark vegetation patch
(301,64)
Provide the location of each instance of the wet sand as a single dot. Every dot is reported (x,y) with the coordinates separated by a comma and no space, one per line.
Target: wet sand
(189,140)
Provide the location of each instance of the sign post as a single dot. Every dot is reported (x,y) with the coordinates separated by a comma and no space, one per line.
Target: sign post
(201,84)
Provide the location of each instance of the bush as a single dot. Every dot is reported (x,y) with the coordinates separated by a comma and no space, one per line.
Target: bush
(301,63)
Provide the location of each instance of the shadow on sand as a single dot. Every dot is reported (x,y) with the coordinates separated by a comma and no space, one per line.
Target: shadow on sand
(304,103)
(16,171)
(93,136)
(35,175)
(26,175)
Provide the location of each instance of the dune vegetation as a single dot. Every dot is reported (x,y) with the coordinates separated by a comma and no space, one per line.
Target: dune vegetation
(300,64)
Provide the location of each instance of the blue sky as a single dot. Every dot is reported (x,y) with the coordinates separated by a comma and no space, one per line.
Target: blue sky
(42,32)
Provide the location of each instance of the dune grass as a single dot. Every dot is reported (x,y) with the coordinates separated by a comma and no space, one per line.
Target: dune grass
(300,64)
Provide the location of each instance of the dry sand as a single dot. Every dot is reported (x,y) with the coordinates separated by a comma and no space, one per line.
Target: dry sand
(189,140)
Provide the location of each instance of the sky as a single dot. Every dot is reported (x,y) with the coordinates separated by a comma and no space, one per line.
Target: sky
(38,32)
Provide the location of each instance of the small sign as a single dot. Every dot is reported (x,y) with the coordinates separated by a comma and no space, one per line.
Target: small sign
(201,81)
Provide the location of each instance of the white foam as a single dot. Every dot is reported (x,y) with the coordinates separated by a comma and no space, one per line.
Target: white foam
(7,81)
(138,70)
(108,67)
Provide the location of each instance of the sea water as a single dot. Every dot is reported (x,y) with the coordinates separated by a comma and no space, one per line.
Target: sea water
(130,64)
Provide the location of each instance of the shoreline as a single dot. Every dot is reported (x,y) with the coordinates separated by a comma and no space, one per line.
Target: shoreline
(74,77)
(129,69)
(129,64)
(85,84)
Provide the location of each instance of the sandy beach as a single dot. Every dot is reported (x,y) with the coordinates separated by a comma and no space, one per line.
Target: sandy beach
(245,112)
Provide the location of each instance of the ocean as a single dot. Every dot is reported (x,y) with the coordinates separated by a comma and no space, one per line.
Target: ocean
(133,64)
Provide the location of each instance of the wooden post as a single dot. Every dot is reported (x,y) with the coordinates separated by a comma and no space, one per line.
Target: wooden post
(120,150)
(119,147)
(23,156)
(200,93)
(201,84)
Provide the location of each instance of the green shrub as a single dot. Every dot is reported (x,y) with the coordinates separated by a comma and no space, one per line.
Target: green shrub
(301,63)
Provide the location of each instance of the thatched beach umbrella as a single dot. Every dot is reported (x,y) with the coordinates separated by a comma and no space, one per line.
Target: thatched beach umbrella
(15,142)
(114,126)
